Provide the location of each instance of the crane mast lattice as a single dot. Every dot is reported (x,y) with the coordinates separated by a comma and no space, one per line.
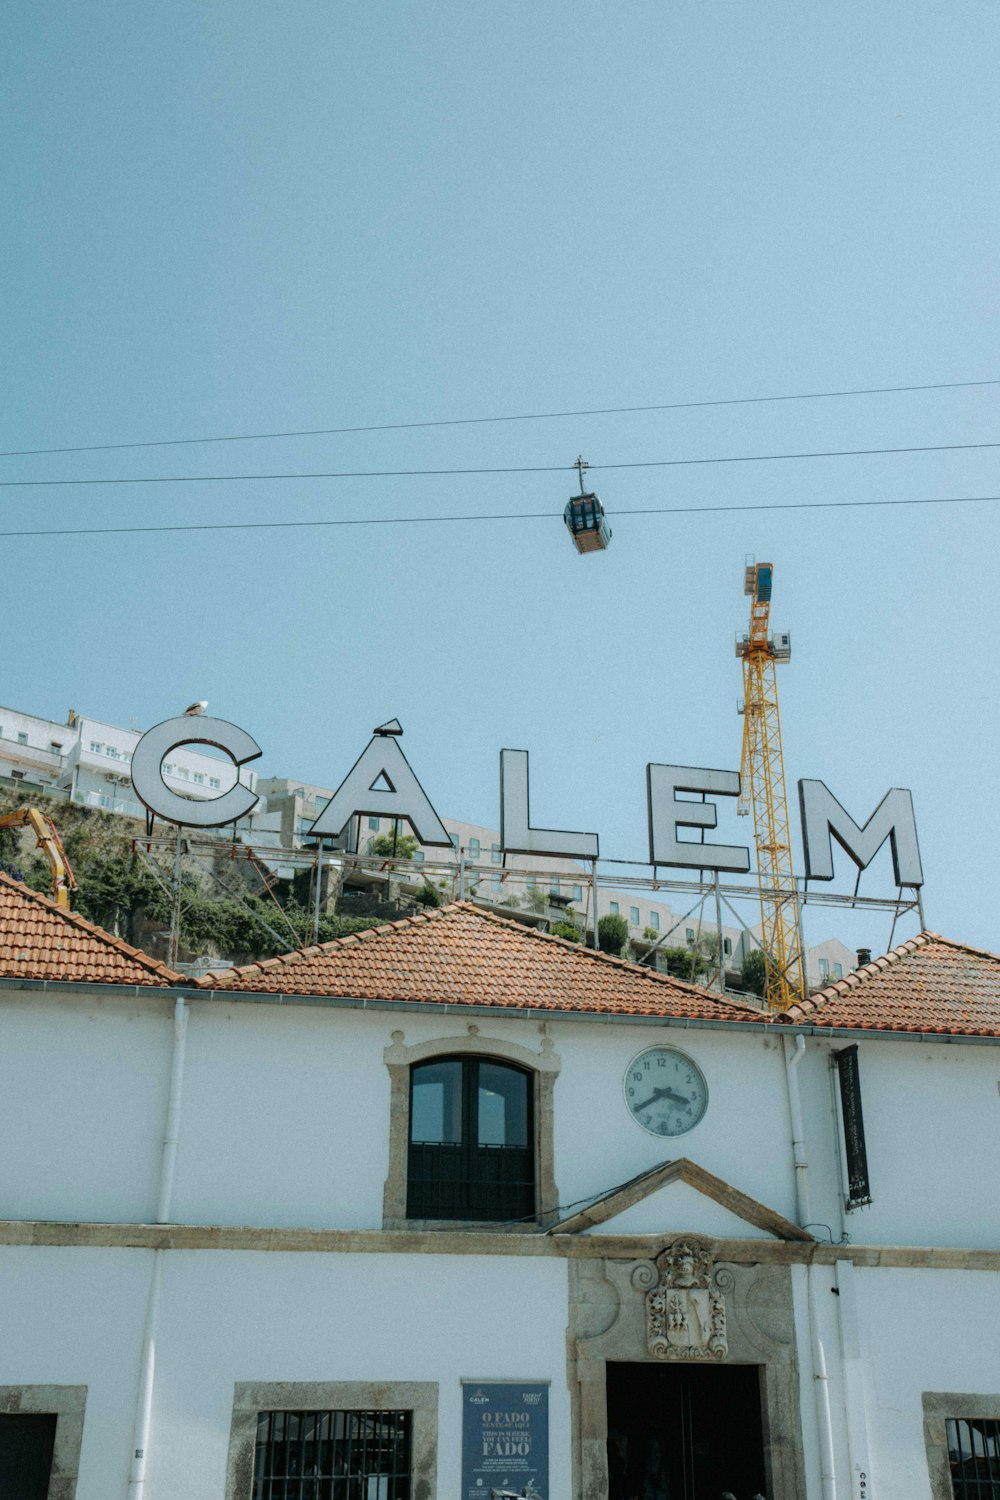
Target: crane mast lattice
(762,780)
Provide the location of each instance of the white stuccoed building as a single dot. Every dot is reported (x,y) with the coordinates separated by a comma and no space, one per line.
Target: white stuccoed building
(292,1235)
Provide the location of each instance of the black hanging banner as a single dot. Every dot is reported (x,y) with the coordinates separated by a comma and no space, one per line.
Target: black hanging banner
(858,1186)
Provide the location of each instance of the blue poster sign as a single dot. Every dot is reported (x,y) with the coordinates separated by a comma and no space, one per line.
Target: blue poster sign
(505,1440)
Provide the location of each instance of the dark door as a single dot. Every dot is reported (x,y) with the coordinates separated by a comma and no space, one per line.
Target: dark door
(684,1432)
(26,1442)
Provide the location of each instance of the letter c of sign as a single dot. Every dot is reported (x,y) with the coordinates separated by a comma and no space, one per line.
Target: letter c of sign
(210,812)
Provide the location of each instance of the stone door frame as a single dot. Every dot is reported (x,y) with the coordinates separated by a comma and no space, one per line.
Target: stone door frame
(607,1324)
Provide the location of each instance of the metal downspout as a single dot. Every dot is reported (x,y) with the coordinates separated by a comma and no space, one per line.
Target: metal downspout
(794,1050)
(168,1163)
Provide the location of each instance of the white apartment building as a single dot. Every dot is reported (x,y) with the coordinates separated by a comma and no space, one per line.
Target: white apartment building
(89,762)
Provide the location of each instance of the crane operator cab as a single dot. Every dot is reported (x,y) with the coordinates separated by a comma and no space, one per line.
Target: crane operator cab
(585,518)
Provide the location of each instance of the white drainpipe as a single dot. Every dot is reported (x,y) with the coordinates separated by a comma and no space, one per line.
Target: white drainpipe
(168,1162)
(794,1053)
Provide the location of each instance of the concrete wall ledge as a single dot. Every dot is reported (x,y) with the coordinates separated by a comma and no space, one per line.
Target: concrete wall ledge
(44,1233)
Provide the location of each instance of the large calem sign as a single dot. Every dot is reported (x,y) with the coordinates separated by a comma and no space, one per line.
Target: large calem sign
(382,783)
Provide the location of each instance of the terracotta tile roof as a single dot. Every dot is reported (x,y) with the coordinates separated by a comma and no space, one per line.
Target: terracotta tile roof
(462,955)
(38,940)
(927,984)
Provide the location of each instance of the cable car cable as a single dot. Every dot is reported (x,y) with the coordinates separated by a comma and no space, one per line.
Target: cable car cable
(531,416)
(536,515)
(651,463)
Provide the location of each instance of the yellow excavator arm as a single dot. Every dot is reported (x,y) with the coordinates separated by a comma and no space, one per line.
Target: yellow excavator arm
(44,829)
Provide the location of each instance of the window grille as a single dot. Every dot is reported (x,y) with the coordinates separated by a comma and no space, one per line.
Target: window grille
(974,1457)
(332,1455)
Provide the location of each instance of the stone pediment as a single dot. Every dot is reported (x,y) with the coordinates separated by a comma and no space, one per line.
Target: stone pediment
(616,1203)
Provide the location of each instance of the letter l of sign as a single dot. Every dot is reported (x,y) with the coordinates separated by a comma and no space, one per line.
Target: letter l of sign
(401,795)
(516,834)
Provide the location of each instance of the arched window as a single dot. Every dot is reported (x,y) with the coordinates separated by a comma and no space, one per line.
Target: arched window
(471,1149)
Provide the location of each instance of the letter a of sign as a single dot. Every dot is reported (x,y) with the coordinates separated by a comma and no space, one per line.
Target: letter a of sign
(824,819)
(381,784)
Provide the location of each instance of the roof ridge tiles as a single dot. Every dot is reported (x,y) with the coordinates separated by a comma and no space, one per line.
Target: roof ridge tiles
(855,977)
(935,937)
(931,994)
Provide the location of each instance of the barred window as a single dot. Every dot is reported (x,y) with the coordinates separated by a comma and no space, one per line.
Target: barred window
(974,1458)
(332,1455)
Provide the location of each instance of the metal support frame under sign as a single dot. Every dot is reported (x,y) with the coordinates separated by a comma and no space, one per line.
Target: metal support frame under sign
(505,1440)
(858,1184)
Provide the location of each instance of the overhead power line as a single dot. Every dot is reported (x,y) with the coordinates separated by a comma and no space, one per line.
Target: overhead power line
(652,463)
(517,515)
(530,416)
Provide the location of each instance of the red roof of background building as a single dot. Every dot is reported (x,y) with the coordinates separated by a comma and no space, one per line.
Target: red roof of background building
(927,984)
(462,955)
(38,940)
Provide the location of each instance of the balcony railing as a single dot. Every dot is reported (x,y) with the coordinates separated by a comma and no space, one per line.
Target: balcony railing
(31,755)
(111,802)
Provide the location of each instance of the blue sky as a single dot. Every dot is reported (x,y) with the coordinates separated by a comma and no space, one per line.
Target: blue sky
(228,218)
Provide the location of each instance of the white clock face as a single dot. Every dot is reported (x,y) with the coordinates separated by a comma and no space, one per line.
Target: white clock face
(665,1091)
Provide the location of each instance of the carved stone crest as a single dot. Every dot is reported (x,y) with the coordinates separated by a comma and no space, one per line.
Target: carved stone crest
(685,1313)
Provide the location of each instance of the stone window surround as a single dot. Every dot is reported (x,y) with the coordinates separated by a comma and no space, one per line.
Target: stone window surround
(938,1407)
(250,1397)
(67,1402)
(543,1067)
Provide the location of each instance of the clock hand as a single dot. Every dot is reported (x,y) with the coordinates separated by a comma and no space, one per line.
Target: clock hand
(677,1098)
(656,1094)
(662,1094)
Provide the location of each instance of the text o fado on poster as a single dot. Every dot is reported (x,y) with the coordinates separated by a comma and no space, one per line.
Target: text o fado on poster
(505,1440)
(382,784)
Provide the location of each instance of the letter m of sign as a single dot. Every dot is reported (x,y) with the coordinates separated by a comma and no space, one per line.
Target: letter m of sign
(823,820)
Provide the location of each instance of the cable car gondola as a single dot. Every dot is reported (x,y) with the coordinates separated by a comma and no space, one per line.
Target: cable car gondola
(585,518)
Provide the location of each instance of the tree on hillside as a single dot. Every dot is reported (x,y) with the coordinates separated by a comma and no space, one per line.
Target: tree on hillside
(395,846)
(612,934)
(754,972)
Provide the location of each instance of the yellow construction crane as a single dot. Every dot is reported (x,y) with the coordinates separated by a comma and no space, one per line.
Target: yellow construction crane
(48,840)
(762,782)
